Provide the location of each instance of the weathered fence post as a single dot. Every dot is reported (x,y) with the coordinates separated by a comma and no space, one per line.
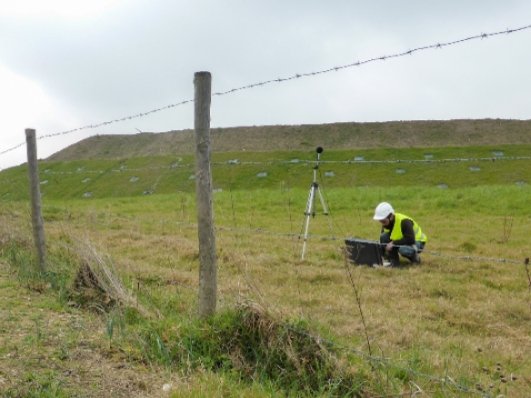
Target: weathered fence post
(35,194)
(207,243)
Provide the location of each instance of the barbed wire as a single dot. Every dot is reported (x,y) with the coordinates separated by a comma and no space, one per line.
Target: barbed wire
(382,361)
(119,169)
(448,160)
(363,161)
(324,237)
(102,124)
(236,162)
(439,45)
(375,59)
(12,148)
(445,380)
(474,258)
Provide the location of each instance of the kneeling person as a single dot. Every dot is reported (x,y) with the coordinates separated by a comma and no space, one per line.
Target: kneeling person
(400,234)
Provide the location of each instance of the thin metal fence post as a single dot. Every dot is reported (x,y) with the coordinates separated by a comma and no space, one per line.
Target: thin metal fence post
(207,243)
(35,195)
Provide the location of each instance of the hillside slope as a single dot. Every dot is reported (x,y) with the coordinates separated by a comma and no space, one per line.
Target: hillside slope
(398,134)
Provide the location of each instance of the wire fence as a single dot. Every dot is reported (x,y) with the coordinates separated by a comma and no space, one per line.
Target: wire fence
(375,59)
(422,379)
(410,52)
(379,362)
(260,231)
(383,362)
(236,162)
(111,178)
(256,233)
(292,236)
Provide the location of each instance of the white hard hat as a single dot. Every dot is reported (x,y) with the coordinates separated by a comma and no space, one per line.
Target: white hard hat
(382,211)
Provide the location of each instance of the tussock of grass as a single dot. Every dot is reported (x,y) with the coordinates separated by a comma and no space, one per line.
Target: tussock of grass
(453,316)
(88,289)
(250,342)
(97,285)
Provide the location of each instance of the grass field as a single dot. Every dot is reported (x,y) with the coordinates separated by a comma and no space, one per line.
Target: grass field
(452,167)
(457,325)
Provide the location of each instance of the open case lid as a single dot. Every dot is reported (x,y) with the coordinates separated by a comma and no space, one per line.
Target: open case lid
(364,252)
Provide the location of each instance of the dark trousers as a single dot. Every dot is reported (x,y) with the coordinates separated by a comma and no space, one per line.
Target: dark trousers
(408,251)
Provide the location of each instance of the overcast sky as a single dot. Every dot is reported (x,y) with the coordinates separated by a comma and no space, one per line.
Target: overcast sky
(67,63)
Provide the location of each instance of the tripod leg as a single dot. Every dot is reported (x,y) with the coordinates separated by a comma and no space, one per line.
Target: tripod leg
(308,213)
(325,210)
(323,203)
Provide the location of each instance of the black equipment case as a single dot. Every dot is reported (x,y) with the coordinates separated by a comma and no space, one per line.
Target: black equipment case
(364,252)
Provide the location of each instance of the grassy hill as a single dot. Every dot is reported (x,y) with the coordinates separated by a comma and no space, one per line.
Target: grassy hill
(401,153)
(124,206)
(397,134)
(449,167)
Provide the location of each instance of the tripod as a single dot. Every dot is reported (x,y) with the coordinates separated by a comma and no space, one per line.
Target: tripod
(310,204)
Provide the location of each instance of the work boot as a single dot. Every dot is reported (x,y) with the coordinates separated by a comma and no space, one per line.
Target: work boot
(415,259)
(394,259)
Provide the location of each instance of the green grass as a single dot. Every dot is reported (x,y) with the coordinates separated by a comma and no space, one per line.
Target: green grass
(43,385)
(461,313)
(275,170)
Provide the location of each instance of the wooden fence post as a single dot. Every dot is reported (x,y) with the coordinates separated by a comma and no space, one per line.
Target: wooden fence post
(35,194)
(207,243)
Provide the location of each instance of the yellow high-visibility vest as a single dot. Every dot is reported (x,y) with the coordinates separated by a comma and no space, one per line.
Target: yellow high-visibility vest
(396,233)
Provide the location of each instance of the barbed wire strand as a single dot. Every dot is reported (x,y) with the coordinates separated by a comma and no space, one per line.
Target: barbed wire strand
(445,380)
(282,80)
(375,59)
(382,361)
(242,231)
(235,163)
(102,124)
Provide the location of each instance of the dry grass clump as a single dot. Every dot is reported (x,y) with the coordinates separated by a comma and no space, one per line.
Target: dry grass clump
(91,290)
(96,284)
